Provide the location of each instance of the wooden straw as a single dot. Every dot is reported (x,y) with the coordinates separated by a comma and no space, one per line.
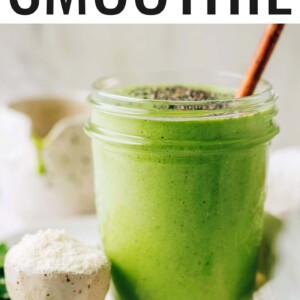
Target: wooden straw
(261,58)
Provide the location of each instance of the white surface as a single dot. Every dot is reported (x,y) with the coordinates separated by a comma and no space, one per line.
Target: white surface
(287,273)
(284,181)
(286,278)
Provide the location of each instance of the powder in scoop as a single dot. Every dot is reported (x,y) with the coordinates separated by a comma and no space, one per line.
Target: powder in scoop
(54,251)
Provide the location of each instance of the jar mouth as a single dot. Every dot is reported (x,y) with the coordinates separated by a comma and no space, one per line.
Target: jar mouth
(105,95)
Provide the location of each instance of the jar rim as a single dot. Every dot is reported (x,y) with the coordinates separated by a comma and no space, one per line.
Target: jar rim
(104,94)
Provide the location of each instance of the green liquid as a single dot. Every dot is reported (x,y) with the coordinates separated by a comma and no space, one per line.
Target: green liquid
(183,219)
(39,145)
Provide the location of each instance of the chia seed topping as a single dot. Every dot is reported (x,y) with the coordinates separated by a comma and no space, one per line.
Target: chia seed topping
(181,93)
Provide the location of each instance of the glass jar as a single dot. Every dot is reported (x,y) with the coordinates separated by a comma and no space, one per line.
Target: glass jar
(180,185)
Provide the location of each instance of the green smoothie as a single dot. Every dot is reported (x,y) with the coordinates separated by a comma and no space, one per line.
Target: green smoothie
(180,192)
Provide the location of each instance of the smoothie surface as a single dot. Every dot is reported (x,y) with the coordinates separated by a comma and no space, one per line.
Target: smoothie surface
(174,93)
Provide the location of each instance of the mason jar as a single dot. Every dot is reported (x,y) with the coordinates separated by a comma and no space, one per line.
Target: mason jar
(180,184)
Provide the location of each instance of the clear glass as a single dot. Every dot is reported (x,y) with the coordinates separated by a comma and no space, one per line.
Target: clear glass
(180,186)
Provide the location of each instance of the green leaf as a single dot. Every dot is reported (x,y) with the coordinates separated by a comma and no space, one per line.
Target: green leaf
(3,251)
(3,291)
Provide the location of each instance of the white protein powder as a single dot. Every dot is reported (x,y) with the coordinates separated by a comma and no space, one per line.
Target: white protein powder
(51,265)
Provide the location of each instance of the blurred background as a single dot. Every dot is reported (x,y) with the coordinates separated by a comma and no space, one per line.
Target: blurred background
(38,57)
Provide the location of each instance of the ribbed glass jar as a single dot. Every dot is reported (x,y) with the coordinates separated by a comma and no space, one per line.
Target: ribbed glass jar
(180,185)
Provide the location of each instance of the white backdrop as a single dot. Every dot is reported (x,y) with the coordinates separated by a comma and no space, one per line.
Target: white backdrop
(49,56)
